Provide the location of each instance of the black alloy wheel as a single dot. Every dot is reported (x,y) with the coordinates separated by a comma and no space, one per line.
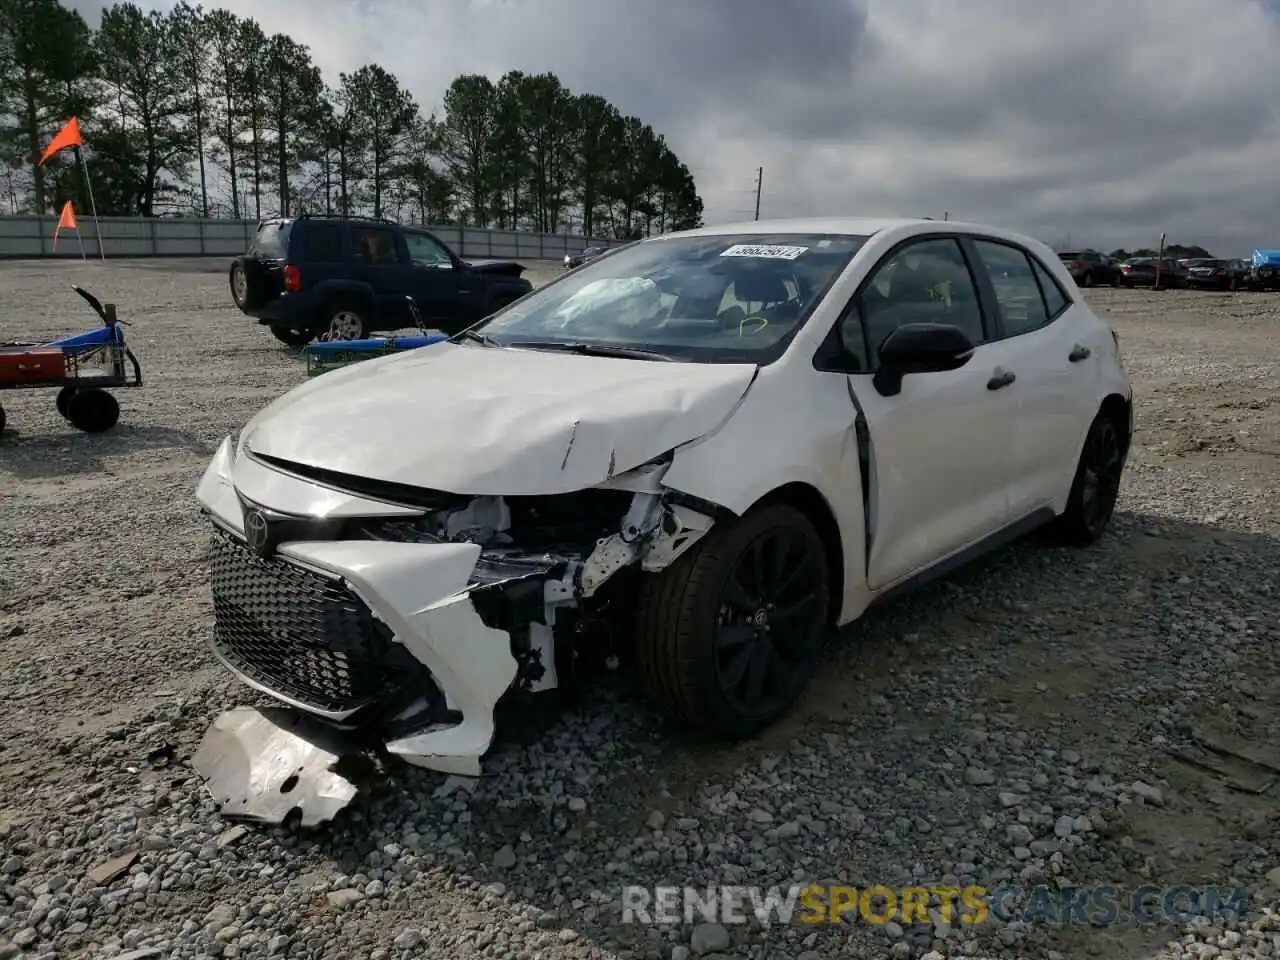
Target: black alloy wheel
(773,607)
(1103,464)
(729,634)
(1096,486)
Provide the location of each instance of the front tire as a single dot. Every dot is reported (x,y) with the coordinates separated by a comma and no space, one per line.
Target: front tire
(729,634)
(1096,485)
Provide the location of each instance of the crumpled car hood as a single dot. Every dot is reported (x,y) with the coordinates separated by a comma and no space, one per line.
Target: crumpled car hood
(499,421)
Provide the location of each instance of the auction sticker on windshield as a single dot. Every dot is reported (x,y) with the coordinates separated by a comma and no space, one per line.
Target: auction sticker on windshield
(764,251)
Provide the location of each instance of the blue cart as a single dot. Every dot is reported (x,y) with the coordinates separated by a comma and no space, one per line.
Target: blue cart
(82,367)
(326,355)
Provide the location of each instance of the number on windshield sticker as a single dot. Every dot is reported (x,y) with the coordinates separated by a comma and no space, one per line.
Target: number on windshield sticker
(764,251)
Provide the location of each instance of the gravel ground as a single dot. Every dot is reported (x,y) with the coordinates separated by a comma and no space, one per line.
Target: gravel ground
(1013,723)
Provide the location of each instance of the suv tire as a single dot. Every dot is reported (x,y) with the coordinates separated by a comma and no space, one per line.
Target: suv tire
(291,338)
(348,319)
(249,285)
(239,281)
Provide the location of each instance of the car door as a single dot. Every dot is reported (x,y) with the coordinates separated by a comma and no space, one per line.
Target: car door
(940,445)
(1042,339)
(443,292)
(379,259)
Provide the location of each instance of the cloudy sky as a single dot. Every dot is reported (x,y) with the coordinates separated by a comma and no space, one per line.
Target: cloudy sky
(1089,122)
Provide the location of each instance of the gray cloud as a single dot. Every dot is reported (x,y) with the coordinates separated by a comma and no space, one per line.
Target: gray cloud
(1106,122)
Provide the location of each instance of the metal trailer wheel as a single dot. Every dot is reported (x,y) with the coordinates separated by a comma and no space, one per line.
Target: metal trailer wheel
(64,398)
(93,410)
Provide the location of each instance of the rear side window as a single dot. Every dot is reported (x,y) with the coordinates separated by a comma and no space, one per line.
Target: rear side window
(272,241)
(322,243)
(1022,308)
(374,245)
(1055,301)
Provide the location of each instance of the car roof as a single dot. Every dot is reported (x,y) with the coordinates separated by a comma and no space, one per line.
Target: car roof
(850,226)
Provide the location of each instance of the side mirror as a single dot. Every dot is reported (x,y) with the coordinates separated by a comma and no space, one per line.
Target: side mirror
(920,348)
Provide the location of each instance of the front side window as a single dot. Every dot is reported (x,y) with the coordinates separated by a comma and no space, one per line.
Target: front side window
(427,251)
(924,282)
(731,298)
(1018,298)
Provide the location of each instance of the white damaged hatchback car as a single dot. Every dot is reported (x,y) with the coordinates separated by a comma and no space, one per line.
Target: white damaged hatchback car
(694,456)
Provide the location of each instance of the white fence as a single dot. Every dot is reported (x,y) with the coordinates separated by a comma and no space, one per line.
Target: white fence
(29,236)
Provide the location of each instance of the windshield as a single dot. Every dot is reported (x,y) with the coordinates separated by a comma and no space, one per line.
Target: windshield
(714,299)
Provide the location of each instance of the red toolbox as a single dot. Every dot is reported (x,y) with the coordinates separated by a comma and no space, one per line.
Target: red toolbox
(32,363)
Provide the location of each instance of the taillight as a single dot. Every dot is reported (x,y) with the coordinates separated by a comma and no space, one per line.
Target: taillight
(292,278)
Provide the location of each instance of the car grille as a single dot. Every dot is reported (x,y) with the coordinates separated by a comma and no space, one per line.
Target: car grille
(301,635)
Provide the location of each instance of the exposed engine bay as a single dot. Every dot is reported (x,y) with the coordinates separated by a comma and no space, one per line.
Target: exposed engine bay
(546,560)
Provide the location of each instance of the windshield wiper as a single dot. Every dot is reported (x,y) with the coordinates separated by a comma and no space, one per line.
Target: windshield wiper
(593,349)
(476,337)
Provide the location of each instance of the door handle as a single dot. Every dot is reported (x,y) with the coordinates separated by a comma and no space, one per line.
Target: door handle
(1078,353)
(1002,378)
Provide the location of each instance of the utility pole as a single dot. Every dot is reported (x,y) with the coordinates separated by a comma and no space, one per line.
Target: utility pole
(759,185)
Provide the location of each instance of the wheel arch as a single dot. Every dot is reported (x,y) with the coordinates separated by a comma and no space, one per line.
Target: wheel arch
(810,501)
(1119,408)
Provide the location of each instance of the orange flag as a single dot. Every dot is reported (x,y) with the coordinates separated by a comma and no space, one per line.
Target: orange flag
(68,136)
(67,221)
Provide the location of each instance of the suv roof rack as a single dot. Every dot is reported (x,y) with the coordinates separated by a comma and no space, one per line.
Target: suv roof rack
(339,216)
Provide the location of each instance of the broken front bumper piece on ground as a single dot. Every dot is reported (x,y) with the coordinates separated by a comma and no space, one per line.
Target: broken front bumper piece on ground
(404,624)
(263,765)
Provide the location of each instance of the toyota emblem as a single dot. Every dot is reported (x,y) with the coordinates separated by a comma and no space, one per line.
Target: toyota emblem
(257,532)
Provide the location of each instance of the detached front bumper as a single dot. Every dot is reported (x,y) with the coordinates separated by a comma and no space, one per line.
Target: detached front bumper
(368,634)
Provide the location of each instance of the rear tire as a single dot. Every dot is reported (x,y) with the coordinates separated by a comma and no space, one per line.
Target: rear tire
(1096,485)
(726,645)
(93,410)
(290,338)
(348,321)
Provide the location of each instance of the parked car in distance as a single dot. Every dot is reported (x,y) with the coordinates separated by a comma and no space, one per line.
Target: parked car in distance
(1088,268)
(1141,272)
(667,459)
(572,260)
(351,276)
(1265,266)
(1214,274)
(1241,274)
